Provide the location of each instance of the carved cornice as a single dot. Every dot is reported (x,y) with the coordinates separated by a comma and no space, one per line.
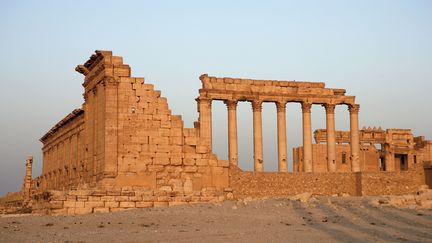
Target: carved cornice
(231,104)
(306,107)
(354,108)
(256,105)
(81,69)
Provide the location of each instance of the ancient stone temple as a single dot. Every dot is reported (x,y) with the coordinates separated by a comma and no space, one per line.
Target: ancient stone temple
(124,149)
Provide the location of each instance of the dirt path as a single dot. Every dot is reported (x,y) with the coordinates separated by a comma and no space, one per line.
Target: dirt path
(278,220)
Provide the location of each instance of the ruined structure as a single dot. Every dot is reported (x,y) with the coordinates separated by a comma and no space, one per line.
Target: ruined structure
(124,148)
(380,150)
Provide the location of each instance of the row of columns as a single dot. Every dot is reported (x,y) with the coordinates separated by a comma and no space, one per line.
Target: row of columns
(205,133)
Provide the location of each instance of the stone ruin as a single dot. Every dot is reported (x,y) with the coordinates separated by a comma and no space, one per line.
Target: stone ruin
(380,150)
(124,149)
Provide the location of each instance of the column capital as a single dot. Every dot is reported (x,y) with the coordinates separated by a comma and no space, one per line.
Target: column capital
(330,108)
(306,107)
(280,106)
(354,108)
(204,100)
(231,104)
(256,105)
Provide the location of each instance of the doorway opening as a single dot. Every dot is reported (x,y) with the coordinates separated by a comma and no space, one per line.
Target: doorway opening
(402,161)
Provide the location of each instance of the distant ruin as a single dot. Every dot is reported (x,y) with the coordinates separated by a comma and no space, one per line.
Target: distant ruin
(124,149)
(380,150)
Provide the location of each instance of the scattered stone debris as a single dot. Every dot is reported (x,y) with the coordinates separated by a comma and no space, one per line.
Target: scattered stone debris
(303,197)
(422,199)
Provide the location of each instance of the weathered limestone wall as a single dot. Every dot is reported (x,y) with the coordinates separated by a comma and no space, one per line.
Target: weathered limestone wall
(155,150)
(270,184)
(126,137)
(144,144)
(369,157)
(392,183)
(423,149)
(113,199)
(63,165)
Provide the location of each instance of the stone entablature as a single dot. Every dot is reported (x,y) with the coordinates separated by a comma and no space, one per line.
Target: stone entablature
(216,88)
(367,135)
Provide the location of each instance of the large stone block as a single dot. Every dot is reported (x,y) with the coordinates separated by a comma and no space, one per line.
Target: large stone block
(83,210)
(121,198)
(176,161)
(56,204)
(160,204)
(144,204)
(107,198)
(94,198)
(189,161)
(111,204)
(101,210)
(94,204)
(69,204)
(127,204)
(161,161)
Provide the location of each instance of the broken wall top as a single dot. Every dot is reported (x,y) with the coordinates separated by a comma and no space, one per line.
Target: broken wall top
(102,67)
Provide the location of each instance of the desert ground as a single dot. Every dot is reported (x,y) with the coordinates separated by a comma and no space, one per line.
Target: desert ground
(322,219)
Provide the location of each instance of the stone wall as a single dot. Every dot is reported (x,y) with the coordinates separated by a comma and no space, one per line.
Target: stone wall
(126,137)
(369,158)
(113,199)
(392,183)
(270,184)
(63,153)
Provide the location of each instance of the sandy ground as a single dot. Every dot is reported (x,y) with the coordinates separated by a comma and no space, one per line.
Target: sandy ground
(329,219)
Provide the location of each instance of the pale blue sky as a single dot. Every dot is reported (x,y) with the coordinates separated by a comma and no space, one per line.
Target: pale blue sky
(379,51)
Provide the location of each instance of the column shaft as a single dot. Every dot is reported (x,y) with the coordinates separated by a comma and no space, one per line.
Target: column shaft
(388,158)
(307,137)
(257,136)
(205,125)
(331,137)
(355,140)
(282,144)
(232,131)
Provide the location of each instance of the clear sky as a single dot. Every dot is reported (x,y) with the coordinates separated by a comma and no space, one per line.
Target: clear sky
(379,51)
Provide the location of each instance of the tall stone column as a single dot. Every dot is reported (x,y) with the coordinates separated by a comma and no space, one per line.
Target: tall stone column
(232,131)
(257,135)
(205,116)
(27,178)
(307,137)
(389,158)
(282,144)
(355,140)
(331,137)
